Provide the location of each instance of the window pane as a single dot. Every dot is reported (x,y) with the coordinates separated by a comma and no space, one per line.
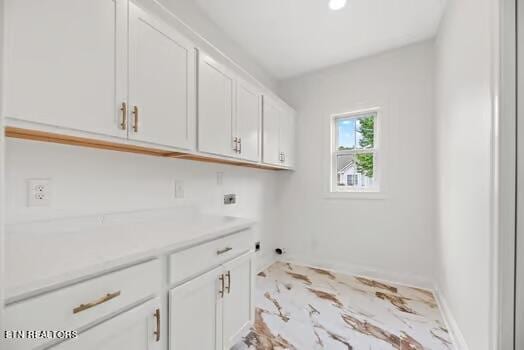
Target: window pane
(365,132)
(346,134)
(355,170)
(356,132)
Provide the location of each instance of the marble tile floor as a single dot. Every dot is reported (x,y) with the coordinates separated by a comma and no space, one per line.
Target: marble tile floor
(305,308)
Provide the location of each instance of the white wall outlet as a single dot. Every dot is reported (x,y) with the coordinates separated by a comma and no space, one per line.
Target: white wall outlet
(220,178)
(179,189)
(39,192)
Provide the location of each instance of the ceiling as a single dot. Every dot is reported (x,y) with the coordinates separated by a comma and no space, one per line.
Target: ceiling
(291,37)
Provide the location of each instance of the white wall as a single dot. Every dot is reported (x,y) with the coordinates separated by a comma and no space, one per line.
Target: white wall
(464,105)
(87,181)
(391,237)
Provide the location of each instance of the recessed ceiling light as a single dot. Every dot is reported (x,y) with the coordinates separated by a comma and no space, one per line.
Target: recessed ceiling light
(337,4)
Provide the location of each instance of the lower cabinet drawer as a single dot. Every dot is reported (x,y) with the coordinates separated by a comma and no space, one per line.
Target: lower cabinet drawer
(193,261)
(80,304)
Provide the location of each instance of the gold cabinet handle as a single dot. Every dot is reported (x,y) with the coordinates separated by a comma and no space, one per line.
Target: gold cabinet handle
(239,145)
(135,118)
(123,115)
(221,291)
(228,287)
(157,332)
(102,300)
(225,250)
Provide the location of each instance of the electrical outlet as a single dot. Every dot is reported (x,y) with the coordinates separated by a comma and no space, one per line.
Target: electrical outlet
(230,199)
(39,192)
(179,189)
(220,178)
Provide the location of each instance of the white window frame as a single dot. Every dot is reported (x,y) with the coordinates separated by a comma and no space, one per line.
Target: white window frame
(333,187)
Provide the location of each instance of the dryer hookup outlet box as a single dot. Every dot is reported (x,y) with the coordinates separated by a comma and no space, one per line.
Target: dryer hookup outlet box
(230,198)
(280,251)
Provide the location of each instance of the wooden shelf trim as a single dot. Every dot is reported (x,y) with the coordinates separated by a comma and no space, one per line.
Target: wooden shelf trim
(36,135)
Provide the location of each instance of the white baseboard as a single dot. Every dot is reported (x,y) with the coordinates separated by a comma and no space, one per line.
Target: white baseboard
(366,271)
(451,324)
(263,261)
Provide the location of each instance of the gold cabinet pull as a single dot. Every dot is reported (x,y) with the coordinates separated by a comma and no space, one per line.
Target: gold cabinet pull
(123,115)
(221,291)
(228,287)
(135,118)
(157,332)
(102,300)
(239,145)
(222,251)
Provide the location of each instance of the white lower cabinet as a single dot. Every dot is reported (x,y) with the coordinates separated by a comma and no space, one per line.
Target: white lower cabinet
(210,311)
(194,312)
(136,329)
(136,308)
(237,309)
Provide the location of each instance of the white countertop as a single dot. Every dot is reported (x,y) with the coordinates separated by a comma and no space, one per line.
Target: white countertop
(43,255)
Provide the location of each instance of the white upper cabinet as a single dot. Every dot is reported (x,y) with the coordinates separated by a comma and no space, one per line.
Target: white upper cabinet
(279,133)
(161,82)
(248,120)
(103,69)
(229,112)
(271,143)
(215,108)
(287,137)
(66,63)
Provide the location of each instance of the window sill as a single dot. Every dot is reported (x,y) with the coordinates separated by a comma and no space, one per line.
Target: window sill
(354,195)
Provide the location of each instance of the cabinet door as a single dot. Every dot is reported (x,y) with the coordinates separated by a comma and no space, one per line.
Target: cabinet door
(132,330)
(161,82)
(215,108)
(66,63)
(287,136)
(238,308)
(248,113)
(271,139)
(195,311)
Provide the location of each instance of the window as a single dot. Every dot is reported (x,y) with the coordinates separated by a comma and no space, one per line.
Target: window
(354,152)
